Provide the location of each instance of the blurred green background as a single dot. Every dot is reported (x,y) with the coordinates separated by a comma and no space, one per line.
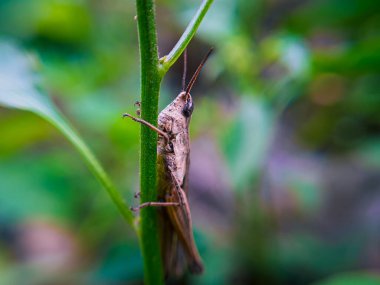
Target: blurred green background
(285,169)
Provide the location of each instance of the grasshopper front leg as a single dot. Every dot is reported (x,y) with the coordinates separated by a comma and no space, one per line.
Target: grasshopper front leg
(149,125)
(138,110)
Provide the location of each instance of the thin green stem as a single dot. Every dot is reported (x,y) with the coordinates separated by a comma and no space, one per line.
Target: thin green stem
(150,88)
(93,164)
(167,61)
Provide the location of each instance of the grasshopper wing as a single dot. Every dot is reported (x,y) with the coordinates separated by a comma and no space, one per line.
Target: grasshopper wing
(181,221)
(172,251)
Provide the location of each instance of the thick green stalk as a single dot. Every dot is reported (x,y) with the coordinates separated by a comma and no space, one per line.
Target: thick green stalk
(150,87)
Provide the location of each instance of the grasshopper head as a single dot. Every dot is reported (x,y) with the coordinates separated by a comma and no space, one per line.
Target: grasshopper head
(188,105)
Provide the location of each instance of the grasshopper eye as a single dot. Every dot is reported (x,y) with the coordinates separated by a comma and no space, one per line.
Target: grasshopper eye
(188,108)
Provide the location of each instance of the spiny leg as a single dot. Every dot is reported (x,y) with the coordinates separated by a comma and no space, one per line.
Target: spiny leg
(138,110)
(154,204)
(149,125)
(137,195)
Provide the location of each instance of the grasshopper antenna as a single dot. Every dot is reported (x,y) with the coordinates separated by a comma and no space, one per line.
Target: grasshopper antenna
(195,76)
(184,70)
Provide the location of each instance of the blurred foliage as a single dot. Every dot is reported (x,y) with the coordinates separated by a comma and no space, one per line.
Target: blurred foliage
(352,278)
(289,104)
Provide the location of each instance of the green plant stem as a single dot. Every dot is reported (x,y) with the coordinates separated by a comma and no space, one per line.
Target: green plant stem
(150,88)
(167,61)
(93,164)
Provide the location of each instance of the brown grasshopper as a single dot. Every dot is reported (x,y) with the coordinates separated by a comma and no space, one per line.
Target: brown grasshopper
(173,159)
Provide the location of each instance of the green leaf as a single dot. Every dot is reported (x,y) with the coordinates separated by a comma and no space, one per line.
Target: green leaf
(19,89)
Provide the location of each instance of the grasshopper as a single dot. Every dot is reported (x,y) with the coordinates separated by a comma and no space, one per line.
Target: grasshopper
(178,247)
